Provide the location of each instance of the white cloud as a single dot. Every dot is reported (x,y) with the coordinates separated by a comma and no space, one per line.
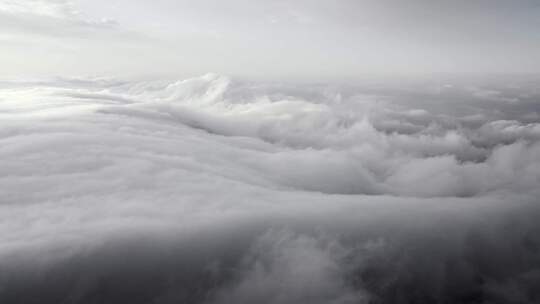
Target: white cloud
(201,168)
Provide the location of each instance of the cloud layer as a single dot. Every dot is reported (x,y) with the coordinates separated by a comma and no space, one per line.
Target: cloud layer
(212,190)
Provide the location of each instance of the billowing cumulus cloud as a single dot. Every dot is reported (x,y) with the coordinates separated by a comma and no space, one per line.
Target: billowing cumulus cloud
(214,190)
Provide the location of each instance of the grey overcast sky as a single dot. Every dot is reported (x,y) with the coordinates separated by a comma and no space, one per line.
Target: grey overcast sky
(275,39)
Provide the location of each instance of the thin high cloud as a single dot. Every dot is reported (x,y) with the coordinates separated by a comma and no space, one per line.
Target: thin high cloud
(48,18)
(311,40)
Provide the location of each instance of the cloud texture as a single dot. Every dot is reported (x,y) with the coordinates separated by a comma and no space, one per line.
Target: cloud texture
(212,190)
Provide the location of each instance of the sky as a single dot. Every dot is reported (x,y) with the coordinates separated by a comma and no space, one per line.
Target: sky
(279,39)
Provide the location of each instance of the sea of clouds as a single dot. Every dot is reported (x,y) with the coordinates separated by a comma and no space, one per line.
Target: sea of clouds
(213,190)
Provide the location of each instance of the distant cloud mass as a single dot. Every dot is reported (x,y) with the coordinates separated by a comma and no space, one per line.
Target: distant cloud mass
(217,190)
